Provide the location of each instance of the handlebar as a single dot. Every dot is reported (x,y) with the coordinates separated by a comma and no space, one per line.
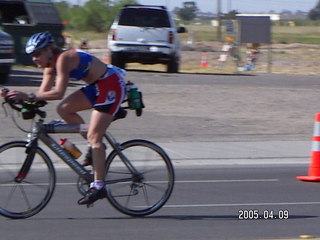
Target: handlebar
(28,109)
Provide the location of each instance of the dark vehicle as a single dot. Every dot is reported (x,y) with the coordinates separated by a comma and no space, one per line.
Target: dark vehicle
(23,18)
(6,56)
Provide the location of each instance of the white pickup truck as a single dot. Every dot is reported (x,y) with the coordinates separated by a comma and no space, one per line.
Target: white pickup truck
(145,34)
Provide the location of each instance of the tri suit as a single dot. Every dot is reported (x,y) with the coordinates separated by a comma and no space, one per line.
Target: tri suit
(108,92)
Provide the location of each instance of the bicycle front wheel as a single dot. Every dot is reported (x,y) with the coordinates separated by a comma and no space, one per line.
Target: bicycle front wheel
(146,191)
(24,193)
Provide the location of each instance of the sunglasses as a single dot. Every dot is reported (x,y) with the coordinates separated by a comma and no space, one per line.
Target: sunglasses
(36,53)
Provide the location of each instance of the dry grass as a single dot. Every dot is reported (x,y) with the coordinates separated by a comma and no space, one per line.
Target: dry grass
(291,58)
(285,59)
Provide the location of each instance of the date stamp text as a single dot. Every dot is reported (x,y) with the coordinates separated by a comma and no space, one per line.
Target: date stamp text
(254,214)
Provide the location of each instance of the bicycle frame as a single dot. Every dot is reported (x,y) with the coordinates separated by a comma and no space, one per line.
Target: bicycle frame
(41,132)
(144,187)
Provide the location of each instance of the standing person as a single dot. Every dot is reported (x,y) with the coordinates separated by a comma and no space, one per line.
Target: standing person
(103,93)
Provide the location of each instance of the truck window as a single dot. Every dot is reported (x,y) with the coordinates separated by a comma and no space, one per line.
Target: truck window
(14,13)
(143,17)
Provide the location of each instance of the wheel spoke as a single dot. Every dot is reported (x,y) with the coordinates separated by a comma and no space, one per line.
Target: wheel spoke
(161,188)
(28,197)
(145,193)
(151,186)
(9,197)
(24,194)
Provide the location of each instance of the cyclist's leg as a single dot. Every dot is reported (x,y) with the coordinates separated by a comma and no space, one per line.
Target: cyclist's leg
(99,122)
(106,105)
(75,102)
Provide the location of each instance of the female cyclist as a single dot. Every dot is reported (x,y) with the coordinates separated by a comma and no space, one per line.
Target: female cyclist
(103,93)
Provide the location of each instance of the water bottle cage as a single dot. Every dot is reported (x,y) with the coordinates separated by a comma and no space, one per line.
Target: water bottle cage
(135,104)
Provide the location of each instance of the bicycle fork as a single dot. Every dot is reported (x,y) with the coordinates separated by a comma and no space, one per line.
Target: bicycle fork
(24,170)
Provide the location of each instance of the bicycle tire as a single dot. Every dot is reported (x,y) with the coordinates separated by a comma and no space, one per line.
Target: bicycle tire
(139,196)
(25,198)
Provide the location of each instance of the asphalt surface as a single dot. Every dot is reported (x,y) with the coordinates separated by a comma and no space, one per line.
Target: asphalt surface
(218,126)
(209,107)
(207,203)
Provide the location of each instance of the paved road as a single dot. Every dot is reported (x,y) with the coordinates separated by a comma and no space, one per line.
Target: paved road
(211,108)
(206,204)
(258,127)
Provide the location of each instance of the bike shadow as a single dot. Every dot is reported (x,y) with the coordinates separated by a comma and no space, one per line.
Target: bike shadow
(173,217)
(217,217)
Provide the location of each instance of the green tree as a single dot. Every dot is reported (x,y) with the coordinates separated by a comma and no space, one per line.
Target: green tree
(95,15)
(231,15)
(314,14)
(78,19)
(64,10)
(188,12)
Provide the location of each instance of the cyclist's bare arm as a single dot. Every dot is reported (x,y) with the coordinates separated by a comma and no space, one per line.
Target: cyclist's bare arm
(54,85)
(47,82)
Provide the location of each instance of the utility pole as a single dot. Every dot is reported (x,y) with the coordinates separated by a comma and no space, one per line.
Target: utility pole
(219,20)
(229,5)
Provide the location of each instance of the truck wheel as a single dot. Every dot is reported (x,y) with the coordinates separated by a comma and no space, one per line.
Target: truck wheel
(173,65)
(118,61)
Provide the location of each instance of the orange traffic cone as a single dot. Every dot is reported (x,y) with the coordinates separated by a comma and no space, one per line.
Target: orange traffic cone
(204,60)
(314,169)
(105,57)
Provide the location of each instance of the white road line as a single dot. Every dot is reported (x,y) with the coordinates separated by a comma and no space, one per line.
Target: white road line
(227,204)
(203,181)
(240,204)
(229,180)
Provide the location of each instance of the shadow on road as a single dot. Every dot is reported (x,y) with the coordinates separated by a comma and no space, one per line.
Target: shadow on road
(176,217)
(29,78)
(197,73)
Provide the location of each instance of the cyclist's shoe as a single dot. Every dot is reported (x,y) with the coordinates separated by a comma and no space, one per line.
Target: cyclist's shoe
(88,158)
(92,195)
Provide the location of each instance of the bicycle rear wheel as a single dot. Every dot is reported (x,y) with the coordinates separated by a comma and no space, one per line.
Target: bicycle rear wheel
(24,194)
(149,190)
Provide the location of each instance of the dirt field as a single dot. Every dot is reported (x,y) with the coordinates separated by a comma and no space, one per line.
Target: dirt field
(284,58)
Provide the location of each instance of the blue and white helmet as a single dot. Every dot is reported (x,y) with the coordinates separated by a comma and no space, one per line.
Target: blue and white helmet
(38,41)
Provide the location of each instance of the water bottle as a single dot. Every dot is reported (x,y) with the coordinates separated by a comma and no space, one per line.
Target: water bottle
(70,147)
(134,96)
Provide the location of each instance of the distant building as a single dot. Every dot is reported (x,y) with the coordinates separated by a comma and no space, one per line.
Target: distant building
(287,16)
(283,16)
(273,16)
(205,15)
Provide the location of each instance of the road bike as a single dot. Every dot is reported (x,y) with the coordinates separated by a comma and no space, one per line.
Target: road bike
(139,175)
